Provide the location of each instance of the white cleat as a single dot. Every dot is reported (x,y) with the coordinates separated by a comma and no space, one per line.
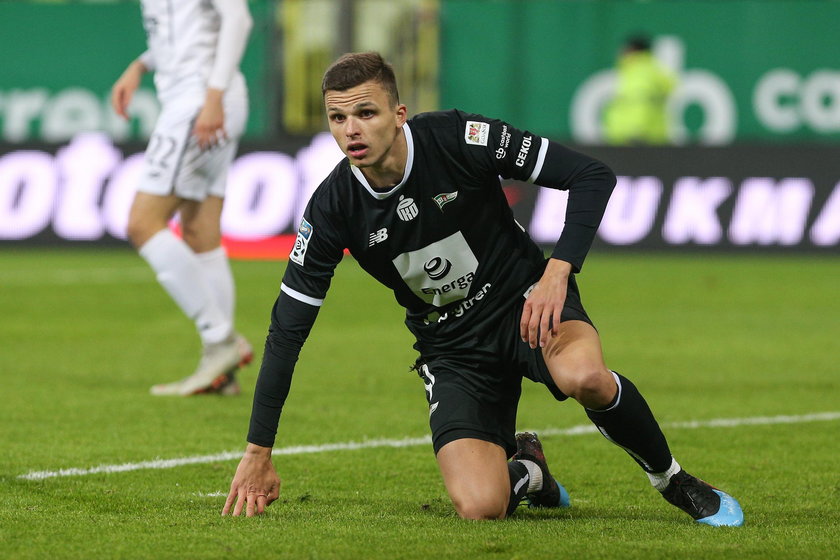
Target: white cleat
(215,370)
(246,351)
(230,387)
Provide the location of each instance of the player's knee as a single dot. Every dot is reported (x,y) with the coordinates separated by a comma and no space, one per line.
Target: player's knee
(592,385)
(480,508)
(138,230)
(191,234)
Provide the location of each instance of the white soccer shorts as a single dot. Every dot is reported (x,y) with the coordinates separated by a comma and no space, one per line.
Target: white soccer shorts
(176,165)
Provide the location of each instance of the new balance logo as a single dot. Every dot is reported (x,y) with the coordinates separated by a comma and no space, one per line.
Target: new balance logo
(378,236)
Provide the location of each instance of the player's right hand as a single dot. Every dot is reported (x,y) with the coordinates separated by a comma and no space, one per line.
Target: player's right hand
(255,485)
(125,86)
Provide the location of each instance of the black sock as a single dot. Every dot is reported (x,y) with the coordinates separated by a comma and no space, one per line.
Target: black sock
(518,485)
(629,423)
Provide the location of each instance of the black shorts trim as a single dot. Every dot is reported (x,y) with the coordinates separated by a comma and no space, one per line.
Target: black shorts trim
(470,433)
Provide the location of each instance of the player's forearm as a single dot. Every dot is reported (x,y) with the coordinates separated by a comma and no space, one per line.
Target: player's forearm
(134,72)
(272,389)
(291,321)
(590,184)
(214,95)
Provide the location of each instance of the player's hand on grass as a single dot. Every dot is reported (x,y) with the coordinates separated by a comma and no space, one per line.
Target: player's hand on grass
(541,313)
(255,484)
(125,86)
(209,126)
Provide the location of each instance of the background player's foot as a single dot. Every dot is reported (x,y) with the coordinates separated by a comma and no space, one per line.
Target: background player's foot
(246,351)
(214,371)
(552,494)
(705,503)
(230,387)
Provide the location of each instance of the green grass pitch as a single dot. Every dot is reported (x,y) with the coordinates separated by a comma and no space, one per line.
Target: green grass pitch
(83,334)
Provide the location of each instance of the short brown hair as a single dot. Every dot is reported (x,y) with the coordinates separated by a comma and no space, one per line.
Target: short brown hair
(353,69)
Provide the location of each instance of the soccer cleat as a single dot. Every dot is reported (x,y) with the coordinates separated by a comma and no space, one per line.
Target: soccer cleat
(215,370)
(705,503)
(246,351)
(552,494)
(230,386)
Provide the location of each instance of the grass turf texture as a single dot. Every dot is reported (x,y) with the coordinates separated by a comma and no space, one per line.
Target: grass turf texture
(84,334)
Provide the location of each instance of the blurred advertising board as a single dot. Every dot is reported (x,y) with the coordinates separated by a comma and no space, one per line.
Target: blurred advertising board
(739,198)
(61,59)
(748,70)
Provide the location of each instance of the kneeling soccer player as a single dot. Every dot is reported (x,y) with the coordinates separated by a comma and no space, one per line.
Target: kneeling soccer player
(419,204)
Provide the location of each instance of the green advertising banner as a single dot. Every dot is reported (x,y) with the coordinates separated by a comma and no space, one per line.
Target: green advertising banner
(749,70)
(60,61)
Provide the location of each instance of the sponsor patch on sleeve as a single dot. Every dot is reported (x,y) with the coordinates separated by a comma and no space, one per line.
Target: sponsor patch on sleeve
(476,133)
(301,243)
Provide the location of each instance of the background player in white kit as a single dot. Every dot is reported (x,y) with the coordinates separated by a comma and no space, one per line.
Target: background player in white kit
(194,49)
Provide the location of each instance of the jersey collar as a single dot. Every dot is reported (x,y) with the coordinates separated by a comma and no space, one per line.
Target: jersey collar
(409,162)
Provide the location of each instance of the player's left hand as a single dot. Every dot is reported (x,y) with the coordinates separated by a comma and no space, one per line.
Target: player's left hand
(541,314)
(209,128)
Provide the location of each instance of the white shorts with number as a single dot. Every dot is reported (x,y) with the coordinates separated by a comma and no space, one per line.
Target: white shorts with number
(175,164)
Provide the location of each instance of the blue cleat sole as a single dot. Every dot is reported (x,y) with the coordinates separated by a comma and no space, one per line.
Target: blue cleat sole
(565,500)
(730,513)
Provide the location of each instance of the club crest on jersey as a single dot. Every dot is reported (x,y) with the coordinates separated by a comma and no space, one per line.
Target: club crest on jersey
(444,198)
(407,209)
(476,133)
(301,242)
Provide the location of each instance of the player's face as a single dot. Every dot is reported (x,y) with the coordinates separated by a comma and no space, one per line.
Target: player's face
(364,123)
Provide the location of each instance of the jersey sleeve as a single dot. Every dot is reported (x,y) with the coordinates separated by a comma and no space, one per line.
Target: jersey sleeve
(496,148)
(147,59)
(291,322)
(316,253)
(236,24)
(319,247)
(590,184)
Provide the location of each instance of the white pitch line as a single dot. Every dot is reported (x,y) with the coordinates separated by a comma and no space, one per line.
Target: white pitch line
(411,442)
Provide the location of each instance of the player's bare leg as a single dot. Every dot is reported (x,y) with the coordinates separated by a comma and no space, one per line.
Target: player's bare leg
(576,364)
(483,484)
(201,223)
(575,361)
(475,473)
(148,215)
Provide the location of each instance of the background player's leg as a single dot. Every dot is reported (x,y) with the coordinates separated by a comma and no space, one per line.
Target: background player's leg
(179,271)
(177,268)
(201,225)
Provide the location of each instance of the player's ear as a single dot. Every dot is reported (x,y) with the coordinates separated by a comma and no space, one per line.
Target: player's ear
(401,114)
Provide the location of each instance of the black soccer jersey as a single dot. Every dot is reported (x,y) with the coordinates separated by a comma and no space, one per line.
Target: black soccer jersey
(444,239)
